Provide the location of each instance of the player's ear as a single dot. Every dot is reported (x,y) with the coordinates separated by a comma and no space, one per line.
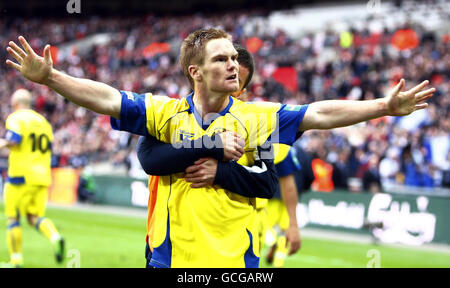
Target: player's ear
(194,71)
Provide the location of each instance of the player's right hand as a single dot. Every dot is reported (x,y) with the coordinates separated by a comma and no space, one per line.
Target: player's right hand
(233,146)
(293,239)
(32,66)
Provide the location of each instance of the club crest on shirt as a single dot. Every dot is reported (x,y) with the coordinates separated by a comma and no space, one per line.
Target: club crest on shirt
(130,95)
(289,107)
(185,135)
(219,130)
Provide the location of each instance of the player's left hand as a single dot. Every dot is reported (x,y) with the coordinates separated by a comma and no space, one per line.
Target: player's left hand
(401,103)
(293,240)
(202,173)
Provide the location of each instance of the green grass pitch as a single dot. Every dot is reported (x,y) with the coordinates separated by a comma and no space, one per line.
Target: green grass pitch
(106,240)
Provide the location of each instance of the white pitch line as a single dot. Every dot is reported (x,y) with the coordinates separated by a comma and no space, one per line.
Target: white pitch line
(326,262)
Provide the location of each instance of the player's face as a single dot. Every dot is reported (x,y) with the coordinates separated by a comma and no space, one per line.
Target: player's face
(243,75)
(220,68)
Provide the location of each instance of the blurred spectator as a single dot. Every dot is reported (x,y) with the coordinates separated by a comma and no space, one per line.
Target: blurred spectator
(389,168)
(323,172)
(86,186)
(340,170)
(371,178)
(305,176)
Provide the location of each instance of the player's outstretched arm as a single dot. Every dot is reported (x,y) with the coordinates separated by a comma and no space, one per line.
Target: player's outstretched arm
(339,113)
(92,95)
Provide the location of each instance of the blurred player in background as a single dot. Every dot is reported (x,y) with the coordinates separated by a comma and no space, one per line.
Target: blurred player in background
(29,137)
(281,214)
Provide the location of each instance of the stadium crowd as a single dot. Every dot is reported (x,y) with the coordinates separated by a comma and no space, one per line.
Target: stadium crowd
(360,64)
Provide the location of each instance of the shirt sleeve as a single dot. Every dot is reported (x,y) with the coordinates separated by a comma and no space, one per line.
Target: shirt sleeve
(289,165)
(159,158)
(260,180)
(13,130)
(133,115)
(289,119)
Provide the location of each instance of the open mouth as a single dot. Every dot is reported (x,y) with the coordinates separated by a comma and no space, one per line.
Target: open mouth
(232,77)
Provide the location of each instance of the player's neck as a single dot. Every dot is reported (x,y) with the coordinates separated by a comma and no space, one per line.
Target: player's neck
(206,103)
(20,107)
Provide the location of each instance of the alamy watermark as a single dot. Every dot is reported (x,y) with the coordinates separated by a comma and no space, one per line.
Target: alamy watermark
(73,258)
(73,6)
(374,6)
(263,126)
(374,256)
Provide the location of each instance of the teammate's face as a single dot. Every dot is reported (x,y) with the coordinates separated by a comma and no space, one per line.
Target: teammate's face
(219,71)
(243,75)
